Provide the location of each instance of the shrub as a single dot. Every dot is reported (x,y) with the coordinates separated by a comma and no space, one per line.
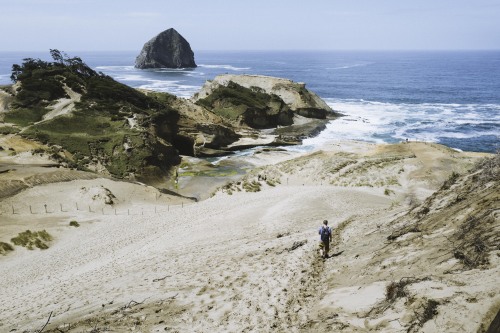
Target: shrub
(30,239)
(427,312)
(5,248)
(253,186)
(489,167)
(74,224)
(8,130)
(450,181)
(388,191)
(25,116)
(396,290)
(430,311)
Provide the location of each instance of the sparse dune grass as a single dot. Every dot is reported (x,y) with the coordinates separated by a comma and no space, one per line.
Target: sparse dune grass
(251,186)
(5,248)
(31,239)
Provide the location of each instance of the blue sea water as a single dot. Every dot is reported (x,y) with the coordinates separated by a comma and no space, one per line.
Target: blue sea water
(448,97)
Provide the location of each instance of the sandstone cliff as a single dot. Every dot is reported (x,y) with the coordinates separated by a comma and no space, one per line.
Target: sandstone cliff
(295,95)
(264,102)
(168,49)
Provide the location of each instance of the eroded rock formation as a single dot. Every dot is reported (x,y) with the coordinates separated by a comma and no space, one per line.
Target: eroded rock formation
(295,95)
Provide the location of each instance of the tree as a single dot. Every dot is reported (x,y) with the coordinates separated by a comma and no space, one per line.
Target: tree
(57,55)
(16,70)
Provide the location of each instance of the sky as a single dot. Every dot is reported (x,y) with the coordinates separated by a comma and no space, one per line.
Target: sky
(125,25)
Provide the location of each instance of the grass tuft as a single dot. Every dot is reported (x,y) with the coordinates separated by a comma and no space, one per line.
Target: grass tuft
(30,239)
(428,311)
(74,224)
(450,181)
(395,290)
(253,186)
(5,248)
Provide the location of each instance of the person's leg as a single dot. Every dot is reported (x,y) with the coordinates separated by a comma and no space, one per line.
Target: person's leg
(327,249)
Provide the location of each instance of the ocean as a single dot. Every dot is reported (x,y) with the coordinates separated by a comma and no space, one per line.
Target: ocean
(448,97)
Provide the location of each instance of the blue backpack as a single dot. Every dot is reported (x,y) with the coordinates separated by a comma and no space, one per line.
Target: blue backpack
(325,234)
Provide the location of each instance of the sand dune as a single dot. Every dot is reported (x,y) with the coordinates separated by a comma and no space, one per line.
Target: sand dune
(248,261)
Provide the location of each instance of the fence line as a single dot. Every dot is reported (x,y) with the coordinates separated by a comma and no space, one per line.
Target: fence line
(59,208)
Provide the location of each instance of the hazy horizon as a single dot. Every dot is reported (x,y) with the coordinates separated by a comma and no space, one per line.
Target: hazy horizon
(75,52)
(262,25)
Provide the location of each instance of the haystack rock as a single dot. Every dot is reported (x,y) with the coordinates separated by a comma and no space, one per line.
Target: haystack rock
(167,50)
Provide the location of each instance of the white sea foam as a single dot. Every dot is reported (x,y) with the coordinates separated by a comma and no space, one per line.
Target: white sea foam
(115,68)
(173,87)
(350,66)
(171,70)
(194,74)
(129,77)
(228,67)
(387,122)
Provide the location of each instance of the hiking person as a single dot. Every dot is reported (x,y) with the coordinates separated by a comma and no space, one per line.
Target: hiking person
(326,237)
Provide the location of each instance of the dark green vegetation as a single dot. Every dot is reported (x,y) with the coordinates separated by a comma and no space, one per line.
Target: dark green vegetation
(5,248)
(74,224)
(43,82)
(8,130)
(252,107)
(98,129)
(30,239)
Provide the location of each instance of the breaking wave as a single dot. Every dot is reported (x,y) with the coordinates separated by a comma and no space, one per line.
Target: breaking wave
(456,125)
(228,67)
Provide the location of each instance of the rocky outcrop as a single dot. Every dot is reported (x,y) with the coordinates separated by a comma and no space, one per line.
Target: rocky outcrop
(167,50)
(295,95)
(198,132)
(247,106)
(263,102)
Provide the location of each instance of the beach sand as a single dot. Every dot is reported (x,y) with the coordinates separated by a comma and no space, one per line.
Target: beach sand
(146,261)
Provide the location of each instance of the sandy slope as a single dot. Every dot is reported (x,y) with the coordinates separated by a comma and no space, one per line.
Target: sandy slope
(63,105)
(5,99)
(248,261)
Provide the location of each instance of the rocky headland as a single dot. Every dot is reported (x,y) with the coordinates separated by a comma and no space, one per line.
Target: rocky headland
(294,95)
(85,120)
(166,50)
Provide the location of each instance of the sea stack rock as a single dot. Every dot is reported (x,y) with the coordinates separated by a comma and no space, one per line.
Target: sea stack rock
(167,50)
